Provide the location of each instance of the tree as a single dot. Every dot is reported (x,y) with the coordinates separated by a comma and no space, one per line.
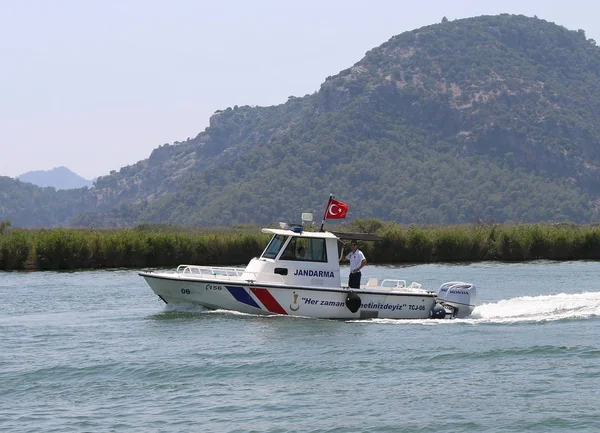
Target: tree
(4,225)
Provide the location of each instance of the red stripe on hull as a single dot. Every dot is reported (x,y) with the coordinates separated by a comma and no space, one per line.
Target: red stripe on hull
(268,300)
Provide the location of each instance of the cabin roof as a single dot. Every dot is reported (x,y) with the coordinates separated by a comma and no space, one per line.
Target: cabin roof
(357,236)
(326,235)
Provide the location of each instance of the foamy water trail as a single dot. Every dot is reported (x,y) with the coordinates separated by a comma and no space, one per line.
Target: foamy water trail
(544,308)
(539,308)
(185,308)
(193,308)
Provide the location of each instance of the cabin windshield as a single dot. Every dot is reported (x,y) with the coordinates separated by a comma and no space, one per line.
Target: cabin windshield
(274,246)
(305,249)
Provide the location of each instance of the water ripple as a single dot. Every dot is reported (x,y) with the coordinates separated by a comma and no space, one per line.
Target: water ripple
(95,351)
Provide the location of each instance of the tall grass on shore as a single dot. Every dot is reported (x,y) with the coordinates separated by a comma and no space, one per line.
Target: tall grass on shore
(58,249)
(62,249)
(521,242)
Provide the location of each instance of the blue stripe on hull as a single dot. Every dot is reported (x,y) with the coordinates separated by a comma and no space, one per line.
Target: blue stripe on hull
(241,295)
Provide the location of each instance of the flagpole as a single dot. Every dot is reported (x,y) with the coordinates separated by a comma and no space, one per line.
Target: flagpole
(325,214)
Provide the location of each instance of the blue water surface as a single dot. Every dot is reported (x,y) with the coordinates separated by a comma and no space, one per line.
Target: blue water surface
(97,351)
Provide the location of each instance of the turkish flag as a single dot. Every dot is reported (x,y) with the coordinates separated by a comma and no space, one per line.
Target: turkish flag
(336,210)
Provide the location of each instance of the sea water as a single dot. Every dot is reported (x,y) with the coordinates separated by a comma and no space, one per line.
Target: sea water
(97,351)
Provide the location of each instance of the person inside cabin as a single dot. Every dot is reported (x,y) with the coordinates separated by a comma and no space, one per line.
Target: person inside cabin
(357,262)
(301,253)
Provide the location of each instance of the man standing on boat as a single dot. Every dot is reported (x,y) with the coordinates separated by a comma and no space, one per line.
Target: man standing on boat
(357,262)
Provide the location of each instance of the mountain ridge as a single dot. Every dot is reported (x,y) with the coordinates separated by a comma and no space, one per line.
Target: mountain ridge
(58,177)
(488,118)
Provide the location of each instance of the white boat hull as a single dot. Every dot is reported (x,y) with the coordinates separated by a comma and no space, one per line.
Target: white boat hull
(328,303)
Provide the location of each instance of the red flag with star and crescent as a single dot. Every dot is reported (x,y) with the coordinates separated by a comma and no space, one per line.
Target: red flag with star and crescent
(336,210)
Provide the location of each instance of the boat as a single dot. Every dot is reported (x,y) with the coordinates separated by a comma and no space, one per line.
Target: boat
(281,282)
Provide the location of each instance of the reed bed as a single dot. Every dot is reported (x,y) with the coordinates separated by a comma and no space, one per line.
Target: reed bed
(66,249)
(515,243)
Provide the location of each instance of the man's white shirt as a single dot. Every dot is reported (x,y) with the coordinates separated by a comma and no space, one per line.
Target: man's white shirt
(356,259)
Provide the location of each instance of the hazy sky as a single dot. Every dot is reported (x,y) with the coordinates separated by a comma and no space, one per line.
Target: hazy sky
(96,85)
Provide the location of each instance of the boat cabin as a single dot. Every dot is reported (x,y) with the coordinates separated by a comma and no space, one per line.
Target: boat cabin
(299,258)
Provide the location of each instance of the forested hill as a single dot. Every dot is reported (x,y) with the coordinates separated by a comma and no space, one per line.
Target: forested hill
(491,118)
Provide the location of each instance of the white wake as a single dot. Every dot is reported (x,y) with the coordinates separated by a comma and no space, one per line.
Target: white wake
(539,308)
(543,308)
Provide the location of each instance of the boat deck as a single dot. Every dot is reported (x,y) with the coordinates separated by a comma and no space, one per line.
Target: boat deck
(240,275)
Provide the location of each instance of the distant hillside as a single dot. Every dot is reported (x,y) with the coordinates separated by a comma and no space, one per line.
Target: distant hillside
(58,177)
(490,118)
(28,205)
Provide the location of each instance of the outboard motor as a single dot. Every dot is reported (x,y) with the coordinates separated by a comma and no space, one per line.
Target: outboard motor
(459,297)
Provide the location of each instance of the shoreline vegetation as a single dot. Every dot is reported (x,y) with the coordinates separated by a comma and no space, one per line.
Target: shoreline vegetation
(156,245)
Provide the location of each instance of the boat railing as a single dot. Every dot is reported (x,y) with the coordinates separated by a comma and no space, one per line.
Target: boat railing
(225,273)
(206,271)
(394,284)
(400,284)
